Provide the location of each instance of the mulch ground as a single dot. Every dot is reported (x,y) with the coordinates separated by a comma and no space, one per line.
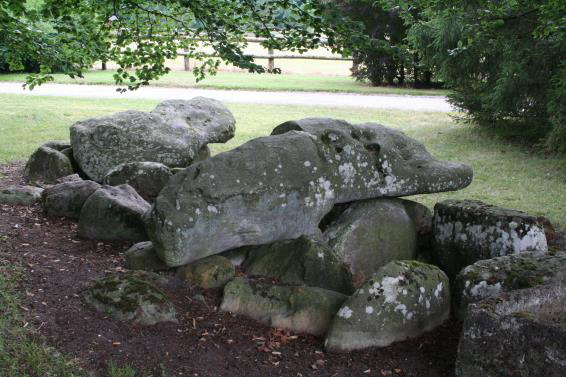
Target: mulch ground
(58,266)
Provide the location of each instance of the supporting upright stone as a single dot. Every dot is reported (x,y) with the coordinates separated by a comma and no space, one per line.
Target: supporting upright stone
(492,277)
(522,333)
(466,231)
(113,214)
(47,164)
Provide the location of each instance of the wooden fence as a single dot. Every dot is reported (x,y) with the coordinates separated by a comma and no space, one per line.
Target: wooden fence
(271,58)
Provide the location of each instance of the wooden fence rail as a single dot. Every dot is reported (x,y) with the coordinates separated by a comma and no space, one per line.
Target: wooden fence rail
(270,58)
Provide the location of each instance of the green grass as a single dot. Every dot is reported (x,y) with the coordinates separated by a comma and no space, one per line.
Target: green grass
(246,81)
(505,174)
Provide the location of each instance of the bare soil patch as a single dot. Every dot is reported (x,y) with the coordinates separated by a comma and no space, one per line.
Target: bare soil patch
(58,266)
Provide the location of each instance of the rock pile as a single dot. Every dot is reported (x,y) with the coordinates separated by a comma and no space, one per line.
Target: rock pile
(303,229)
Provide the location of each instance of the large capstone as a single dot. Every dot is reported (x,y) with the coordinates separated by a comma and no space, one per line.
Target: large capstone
(67,199)
(47,164)
(280,187)
(147,178)
(131,297)
(300,261)
(113,214)
(491,277)
(371,233)
(172,134)
(466,231)
(300,309)
(402,300)
(522,334)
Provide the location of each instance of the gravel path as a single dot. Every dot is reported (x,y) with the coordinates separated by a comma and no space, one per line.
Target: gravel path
(415,103)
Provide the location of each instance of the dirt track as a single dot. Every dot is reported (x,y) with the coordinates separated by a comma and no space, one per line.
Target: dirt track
(414,103)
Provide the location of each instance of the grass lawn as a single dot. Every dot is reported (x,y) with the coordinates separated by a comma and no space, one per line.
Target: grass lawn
(505,174)
(246,81)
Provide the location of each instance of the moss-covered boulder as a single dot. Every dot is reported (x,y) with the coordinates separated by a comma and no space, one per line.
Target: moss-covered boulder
(142,256)
(300,261)
(300,309)
(211,272)
(491,277)
(114,214)
(131,297)
(402,300)
(370,234)
(67,199)
(466,231)
(47,164)
(20,195)
(147,178)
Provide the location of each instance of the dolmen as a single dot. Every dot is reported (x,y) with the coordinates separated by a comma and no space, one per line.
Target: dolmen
(308,229)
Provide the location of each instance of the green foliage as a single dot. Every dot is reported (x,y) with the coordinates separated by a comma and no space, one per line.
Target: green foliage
(500,58)
(386,58)
(32,42)
(140,35)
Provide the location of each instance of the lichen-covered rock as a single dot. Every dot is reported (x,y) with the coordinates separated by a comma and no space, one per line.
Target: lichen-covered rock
(370,234)
(131,297)
(300,309)
(172,134)
(69,178)
(20,195)
(47,164)
(147,178)
(142,256)
(113,214)
(402,300)
(491,277)
(300,261)
(280,187)
(67,199)
(211,272)
(520,334)
(466,231)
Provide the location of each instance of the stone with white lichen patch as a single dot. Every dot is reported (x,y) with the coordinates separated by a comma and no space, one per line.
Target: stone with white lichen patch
(492,277)
(173,134)
(466,231)
(520,333)
(402,300)
(263,191)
